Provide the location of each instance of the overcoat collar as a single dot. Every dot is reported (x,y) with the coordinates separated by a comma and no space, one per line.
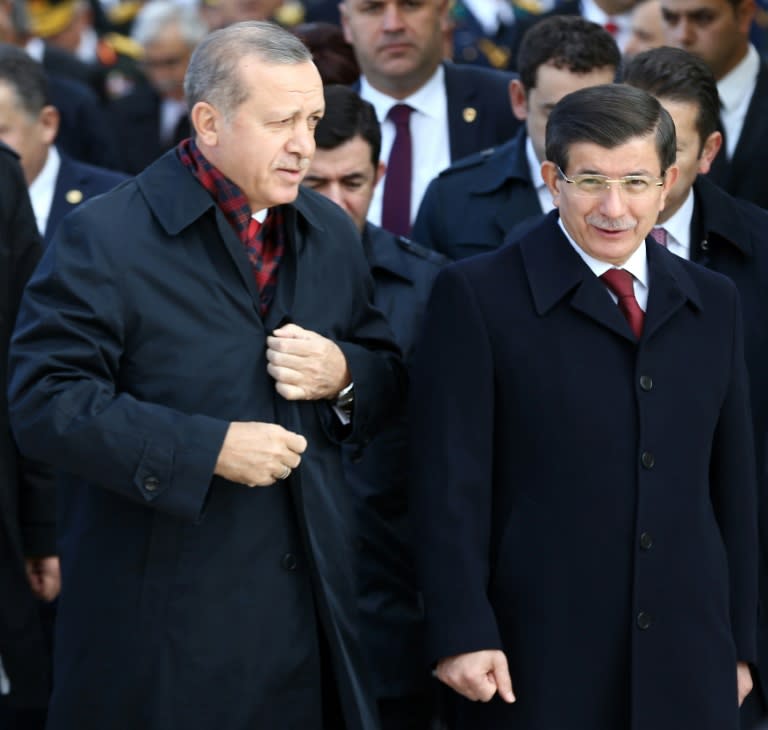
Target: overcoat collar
(177,200)
(555,272)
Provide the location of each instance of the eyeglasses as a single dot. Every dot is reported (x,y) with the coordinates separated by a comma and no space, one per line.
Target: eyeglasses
(594,185)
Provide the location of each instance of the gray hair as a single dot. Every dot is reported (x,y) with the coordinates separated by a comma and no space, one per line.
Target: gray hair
(158,15)
(212,71)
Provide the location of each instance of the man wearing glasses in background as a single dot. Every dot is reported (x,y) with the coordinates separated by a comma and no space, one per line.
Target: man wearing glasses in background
(589,491)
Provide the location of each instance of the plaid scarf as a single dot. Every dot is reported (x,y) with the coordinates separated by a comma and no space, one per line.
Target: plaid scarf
(263,244)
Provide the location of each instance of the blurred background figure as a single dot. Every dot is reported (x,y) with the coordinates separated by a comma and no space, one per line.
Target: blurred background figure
(346,169)
(29,124)
(153,117)
(484,33)
(83,131)
(647,29)
(718,31)
(333,56)
(71,25)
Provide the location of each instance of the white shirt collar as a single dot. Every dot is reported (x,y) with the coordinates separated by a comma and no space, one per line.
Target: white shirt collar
(42,188)
(679,228)
(732,87)
(427,100)
(623,21)
(636,264)
(35,48)
(534,168)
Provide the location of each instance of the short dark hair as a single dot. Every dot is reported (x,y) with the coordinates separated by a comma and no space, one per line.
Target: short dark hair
(347,116)
(334,57)
(566,42)
(26,76)
(609,115)
(674,74)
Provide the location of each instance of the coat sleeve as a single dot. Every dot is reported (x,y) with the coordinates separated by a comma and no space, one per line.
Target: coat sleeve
(66,405)
(426,228)
(734,498)
(452,413)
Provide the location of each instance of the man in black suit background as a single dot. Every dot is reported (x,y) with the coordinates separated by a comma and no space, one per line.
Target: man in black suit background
(470,207)
(29,567)
(29,124)
(702,223)
(718,32)
(454,110)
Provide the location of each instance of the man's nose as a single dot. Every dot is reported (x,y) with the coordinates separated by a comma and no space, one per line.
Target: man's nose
(392,19)
(612,202)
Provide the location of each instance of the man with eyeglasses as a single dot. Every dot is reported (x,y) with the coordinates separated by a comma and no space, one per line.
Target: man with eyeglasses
(584,496)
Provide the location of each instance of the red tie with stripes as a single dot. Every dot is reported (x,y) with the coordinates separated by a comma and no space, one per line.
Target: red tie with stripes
(620,282)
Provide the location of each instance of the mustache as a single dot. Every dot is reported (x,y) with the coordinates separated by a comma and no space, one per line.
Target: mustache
(624,223)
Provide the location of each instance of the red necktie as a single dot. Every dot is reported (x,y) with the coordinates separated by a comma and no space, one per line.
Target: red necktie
(611,26)
(619,281)
(396,203)
(660,235)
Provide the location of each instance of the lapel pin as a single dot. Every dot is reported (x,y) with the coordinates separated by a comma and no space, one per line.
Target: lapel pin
(73,197)
(469,114)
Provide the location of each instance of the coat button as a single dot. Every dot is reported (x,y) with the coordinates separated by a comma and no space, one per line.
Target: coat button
(646,541)
(151,484)
(646,382)
(647,460)
(644,620)
(289,562)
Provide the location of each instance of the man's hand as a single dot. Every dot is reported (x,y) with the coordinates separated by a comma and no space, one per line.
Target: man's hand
(743,681)
(258,454)
(44,576)
(477,675)
(305,365)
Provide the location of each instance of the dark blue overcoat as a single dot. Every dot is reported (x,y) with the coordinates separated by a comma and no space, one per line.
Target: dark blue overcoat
(587,503)
(191,602)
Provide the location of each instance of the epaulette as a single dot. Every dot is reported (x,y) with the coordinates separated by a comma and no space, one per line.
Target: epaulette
(124,45)
(472,161)
(422,252)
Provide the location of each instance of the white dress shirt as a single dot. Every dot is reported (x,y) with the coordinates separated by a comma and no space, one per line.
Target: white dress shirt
(636,264)
(736,89)
(678,229)
(534,167)
(42,188)
(429,134)
(491,14)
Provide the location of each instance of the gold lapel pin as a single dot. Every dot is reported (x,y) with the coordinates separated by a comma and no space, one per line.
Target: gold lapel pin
(73,197)
(469,114)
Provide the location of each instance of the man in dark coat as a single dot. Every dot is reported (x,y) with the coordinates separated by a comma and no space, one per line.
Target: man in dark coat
(702,223)
(470,207)
(586,498)
(27,509)
(345,169)
(197,332)
(444,111)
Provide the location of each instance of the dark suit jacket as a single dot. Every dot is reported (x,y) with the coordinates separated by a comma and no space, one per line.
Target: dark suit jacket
(743,176)
(728,236)
(27,512)
(138,341)
(392,620)
(585,501)
(470,207)
(479,111)
(135,118)
(76,183)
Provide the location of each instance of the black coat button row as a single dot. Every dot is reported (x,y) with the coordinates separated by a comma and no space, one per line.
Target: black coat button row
(151,484)
(646,383)
(289,562)
(646,541)
(644,620)
(647,460)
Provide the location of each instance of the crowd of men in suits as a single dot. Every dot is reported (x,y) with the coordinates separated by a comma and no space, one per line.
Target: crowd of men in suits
(435,140)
